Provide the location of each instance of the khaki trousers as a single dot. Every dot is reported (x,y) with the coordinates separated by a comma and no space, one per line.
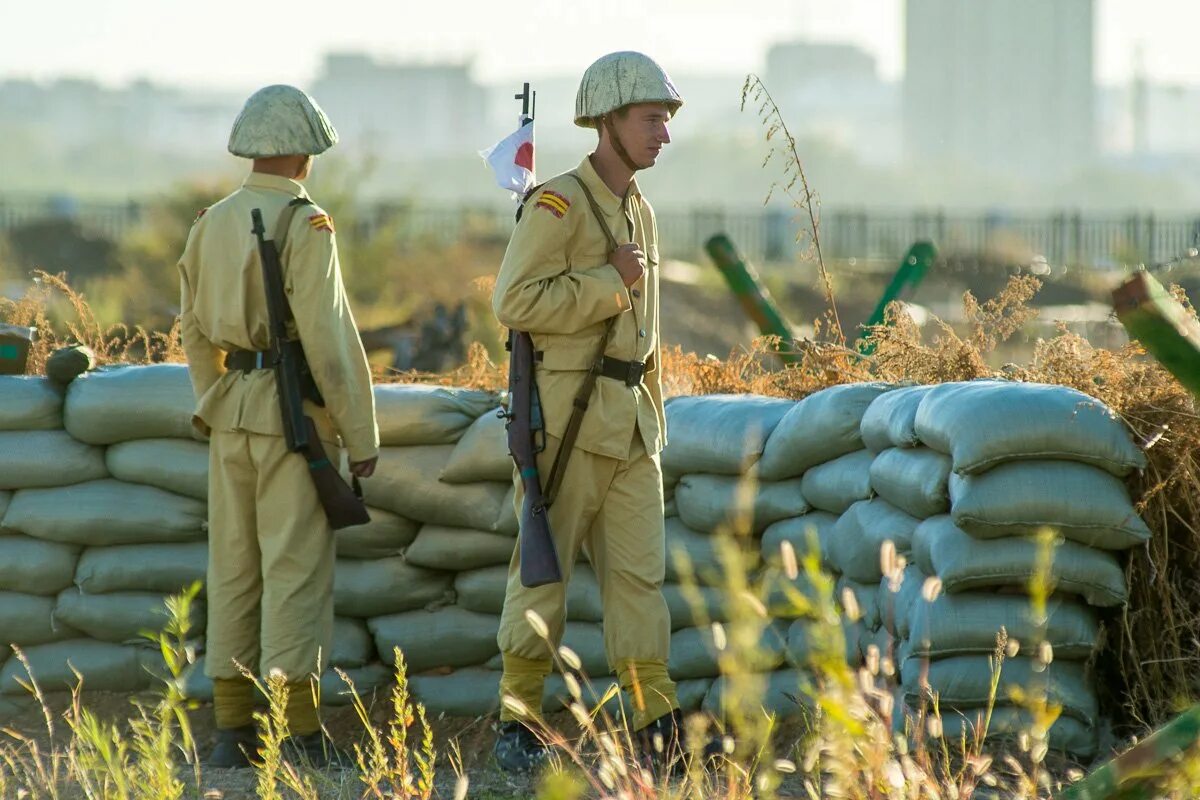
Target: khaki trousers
(613,511)
(270,561)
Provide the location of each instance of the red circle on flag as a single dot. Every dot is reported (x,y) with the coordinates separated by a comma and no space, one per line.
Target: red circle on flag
(524,156)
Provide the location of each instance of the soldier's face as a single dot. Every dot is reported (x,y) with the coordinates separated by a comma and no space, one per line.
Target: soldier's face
(643,131)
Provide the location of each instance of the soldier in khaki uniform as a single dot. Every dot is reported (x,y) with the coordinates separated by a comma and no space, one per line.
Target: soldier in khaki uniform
(566,280)
(271,550)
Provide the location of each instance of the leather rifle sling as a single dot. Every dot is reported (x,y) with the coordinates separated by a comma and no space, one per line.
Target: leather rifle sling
(580,405)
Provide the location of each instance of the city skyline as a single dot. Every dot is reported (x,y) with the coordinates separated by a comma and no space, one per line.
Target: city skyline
(121,41)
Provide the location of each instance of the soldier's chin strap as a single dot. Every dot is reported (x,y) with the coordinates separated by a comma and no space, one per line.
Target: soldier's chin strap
(606,120)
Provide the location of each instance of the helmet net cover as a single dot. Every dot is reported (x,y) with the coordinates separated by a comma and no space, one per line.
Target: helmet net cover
(621,79)
(281,120)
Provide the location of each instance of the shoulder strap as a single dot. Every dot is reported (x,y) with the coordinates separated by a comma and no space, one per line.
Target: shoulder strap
(597,213)
(282,226)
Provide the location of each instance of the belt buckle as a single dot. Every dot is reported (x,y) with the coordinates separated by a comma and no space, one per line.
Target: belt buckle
(258,359)
(634,376)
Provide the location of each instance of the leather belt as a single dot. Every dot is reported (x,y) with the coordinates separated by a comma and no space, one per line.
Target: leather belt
(629,373)
(248,360)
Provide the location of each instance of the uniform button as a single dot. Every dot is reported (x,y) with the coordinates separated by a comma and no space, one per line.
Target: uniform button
(636,293)
(642,333)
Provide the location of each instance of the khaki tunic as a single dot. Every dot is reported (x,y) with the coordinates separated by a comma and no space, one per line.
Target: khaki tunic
(271,551)
(556,283)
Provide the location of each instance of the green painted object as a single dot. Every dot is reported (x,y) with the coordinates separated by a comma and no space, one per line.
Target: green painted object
(908,277)
(755,299)
(1162,325)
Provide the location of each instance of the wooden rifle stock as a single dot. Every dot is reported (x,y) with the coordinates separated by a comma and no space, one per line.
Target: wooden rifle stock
(539,556)
(342,504)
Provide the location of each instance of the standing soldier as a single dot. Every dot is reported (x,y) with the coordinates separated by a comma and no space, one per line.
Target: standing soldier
(271,549)
(581,273)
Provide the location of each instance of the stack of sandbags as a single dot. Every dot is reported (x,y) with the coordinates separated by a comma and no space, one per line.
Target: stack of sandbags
(818,444)
(1003,461)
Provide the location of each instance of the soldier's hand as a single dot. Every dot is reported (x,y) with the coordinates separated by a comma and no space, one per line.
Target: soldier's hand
(364,469)
(630,261)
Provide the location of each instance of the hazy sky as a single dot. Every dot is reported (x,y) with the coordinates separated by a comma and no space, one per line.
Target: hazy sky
(244,43)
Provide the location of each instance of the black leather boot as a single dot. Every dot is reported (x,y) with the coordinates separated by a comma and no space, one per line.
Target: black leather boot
(234,747)
(518,749)
(660,744)
(316,750)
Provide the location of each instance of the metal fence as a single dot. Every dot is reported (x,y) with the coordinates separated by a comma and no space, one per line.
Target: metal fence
(763,235)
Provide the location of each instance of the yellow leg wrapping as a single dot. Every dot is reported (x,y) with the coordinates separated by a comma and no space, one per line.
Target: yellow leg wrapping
(524,679)
(302,713)
(649,689)
(233,702)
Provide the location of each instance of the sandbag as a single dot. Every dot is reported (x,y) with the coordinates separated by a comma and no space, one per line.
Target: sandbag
(105,667)
(696,605)
(808,643)
(797,531)
(28,619)
(5,499)
(47,458)
(914,480)
(106,512)
(119,617)
(890,420)
(896,602)
(482,453)
(838,484)
(962,624)
(406,483)
(694,652)
(784,693)
(507,522)
(707,503)
(984,423)
(30,404)
(482,591)
(387,534)
(417,414)
(176,465)
(787,598)
(470,692)
(163,568)
(13,706)
(866,597)
(586,639)
(385,586)
(369,680)
(719,434)
(819,428)
(448,637)
(963,562)
(691,693)
(1008,724)
(860,533)
(965,682)
(33,566)
(557,697)
(352,644)
(685,545)
(1083,503)
(119,404)
(457,549)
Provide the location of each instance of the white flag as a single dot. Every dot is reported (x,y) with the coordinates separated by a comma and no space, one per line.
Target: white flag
(511,159)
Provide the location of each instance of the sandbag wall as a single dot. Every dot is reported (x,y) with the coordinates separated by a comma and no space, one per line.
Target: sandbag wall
(103,513)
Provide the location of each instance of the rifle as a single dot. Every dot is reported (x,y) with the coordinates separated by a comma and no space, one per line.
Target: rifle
(343,505)
(539,557)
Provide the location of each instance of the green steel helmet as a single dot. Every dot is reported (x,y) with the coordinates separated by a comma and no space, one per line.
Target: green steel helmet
(621,79)
(281,120)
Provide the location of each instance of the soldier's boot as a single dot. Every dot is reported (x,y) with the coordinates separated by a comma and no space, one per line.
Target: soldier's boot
(518,749)
(234,747)
(317,751)
(660,744)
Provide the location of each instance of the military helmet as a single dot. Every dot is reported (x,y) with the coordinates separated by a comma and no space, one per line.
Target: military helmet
(621,79)
(281,120)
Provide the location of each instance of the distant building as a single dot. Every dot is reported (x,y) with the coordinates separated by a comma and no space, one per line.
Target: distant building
(833,92)
(402,110)
(1004,84)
